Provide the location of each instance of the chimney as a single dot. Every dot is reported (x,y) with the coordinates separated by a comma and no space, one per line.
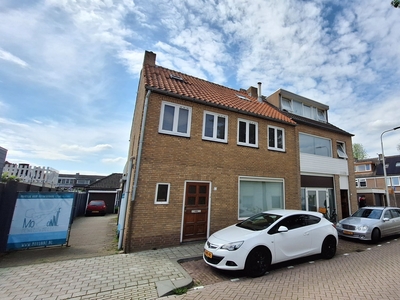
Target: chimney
(149,58)
(259,92)
(252,91)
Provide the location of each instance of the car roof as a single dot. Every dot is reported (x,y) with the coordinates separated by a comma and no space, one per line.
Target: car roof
(287,212)
(380,207)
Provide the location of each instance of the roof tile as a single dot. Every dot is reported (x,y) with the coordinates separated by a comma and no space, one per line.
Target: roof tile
(160,78)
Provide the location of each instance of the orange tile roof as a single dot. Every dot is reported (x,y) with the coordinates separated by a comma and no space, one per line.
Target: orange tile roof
(159,78)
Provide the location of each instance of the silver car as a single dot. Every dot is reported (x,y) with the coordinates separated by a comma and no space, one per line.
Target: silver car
(370,223)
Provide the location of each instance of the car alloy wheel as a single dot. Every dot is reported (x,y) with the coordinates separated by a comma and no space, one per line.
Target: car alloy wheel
(328,249)
(375,235)
(258,262)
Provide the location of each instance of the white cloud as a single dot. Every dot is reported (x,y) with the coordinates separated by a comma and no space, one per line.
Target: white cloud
(7,56)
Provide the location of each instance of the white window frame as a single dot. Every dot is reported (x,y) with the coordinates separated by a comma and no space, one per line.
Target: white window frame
(367,168)
(275,147)
(156,201)
(286,104)
(397,181)
(214,138)
(341,150)
(175,122)
(247,122)
(361,181)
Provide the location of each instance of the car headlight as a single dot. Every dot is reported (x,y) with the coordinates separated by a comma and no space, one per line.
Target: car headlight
(362,228)
(232,246)
(338,225)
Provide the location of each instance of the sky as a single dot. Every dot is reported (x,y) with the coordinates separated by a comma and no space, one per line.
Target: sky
(69,69)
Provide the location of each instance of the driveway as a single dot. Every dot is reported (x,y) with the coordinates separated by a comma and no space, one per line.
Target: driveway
(89,237)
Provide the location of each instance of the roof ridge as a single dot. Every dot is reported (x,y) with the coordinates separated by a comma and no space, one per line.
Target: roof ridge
(201,79)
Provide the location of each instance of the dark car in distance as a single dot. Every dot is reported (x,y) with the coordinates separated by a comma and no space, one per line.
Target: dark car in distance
(96,207)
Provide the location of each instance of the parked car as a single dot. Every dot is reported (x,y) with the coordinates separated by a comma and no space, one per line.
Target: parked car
(370,223)
(270,237)
(96,207)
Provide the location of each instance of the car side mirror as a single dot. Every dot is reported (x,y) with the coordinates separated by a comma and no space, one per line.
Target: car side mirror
(385,219)
(283,229)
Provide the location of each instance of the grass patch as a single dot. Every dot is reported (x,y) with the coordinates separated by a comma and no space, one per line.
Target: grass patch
(180,291)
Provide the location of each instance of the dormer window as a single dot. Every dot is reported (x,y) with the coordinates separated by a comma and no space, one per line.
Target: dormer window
(303,109)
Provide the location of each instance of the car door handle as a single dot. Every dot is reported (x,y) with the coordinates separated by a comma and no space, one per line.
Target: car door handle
(306,233)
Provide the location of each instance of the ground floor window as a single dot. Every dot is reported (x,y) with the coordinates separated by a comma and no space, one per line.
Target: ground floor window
(257,194)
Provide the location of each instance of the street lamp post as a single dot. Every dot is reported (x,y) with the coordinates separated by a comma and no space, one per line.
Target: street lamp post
(384,165)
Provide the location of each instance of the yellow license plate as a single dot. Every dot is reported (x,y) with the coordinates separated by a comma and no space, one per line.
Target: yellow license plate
(208,254)
(348,232)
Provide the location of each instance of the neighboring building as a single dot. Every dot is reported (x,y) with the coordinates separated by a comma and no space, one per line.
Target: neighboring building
(76,182)
(34,175)
(370,180)
(107,189)
(204,156)
(326,155)
(3,155)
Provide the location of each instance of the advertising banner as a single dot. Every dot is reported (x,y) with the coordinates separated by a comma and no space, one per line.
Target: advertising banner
(40,219)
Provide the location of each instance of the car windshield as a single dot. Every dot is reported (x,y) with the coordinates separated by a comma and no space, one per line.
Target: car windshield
(369,213)
(258,222)
(96,203)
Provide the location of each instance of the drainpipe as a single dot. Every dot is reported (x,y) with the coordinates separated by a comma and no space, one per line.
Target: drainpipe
(139,156)
(136,175)
(124,204)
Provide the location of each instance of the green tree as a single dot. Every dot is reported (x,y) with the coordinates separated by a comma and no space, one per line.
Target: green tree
(395,3)
(359,152)
(5,177)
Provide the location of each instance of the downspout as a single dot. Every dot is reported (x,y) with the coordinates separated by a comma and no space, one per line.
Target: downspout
(136,175)
(124,204)
(139,156)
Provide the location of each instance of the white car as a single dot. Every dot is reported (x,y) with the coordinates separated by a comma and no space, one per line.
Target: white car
(268,238)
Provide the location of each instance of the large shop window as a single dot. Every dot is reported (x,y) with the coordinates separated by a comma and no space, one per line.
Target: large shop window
(247,133)
(175,119)
(215,127)
(259,194)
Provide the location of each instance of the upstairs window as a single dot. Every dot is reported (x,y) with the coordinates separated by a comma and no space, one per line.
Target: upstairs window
(315,145)
(362,182)
(341,150)
(301,109)
(286,104)
(362,168)
(276,138)
(175,119)
(247,133)
(215,127)
(321,115)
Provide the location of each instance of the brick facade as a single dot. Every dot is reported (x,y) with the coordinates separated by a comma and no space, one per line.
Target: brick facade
(172,159)
(176,160)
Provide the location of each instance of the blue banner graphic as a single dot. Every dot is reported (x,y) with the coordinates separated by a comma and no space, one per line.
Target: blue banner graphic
(40,219)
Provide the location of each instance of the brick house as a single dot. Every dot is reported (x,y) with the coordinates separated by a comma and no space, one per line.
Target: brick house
(203,156)
(370,180)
